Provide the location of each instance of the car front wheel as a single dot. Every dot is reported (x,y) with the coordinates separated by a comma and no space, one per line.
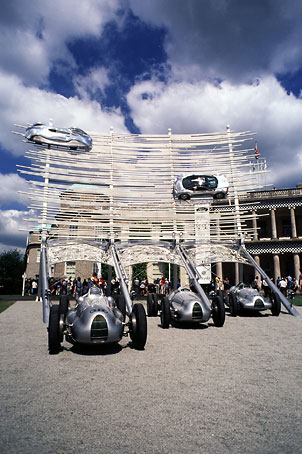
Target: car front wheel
(54,336)
(165,315)
(218,311)
(233,304)
(276,304)
(138,326)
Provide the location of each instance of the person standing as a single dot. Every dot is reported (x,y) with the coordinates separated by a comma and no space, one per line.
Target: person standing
(34,287)
(78,291)
(266,288)
(283,286)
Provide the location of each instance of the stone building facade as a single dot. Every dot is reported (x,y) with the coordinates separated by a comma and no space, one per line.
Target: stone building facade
(276,242)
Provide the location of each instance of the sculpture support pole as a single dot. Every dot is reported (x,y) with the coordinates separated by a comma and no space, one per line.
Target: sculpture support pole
(45,294)
(194,275)
(118,270)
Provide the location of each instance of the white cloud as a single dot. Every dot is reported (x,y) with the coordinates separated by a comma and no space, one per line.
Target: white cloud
(10,185)
(21,104)
(263,108)
(36,34)
(236,40)
(89,85)
(12,225)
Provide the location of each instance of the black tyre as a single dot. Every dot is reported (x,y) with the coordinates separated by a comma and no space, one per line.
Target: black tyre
(220,195)
(276,304)
(138,326)
(218,311)
(64,305)
(155,304)
(184,197)
(165,315)
(54,335)
(121,304)
(234,305)
(220,293)
(149,305)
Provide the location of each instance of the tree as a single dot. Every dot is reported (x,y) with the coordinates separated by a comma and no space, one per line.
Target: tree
(12,267)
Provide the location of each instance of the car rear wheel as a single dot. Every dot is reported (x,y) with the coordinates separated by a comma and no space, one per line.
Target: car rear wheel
(234,305)
(155,304)
(219,195)
(54,335)
(184,197)
(218,311)
(138,326)
(149,305)
(165,315)
(276,304)
(121,305)
(64,305)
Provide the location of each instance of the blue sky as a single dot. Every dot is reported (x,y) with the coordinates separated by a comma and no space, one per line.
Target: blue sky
(144,66)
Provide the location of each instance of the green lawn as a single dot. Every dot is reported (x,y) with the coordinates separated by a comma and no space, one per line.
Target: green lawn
(5,304)
(297,301)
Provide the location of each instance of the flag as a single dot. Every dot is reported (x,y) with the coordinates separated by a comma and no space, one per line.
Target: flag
(256,152)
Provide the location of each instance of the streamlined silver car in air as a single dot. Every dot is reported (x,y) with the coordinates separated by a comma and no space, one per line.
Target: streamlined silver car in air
(241,297)
(183,305)
(96,319)
(73,138)
(199,186)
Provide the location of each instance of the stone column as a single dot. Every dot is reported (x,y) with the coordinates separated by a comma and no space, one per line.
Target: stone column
(109,279)
(219,271)
(274,225)
(237,278)
(293,222)
(129,272)
(257,260)
(255,231)
(277,272)
(297,266)
(174,276)
(184,279)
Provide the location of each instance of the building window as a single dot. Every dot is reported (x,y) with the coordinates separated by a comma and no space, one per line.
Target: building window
(70,269)
(286,228)
(38,255)
(95,268)
(73,230)
(262,230)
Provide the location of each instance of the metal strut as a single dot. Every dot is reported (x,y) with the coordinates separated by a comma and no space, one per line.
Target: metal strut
(122,277)
(44,291)
(272,286)
(193,275)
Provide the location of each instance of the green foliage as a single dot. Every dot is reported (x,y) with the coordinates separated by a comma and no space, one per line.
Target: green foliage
(12,267)
(139,271)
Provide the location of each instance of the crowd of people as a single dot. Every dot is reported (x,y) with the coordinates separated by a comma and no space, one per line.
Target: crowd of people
(162,286)
(77,287)
(31,287)
(286,284)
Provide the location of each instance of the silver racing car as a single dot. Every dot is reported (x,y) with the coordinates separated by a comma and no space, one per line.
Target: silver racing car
(241,297)
(96,319)
(183,305)
(73,138)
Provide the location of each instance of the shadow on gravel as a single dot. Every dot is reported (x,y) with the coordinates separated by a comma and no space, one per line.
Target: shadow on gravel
(251,314)
(189,326)
(95,350)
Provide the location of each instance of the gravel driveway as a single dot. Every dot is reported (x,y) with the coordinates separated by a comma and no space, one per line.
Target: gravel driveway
(236,389)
